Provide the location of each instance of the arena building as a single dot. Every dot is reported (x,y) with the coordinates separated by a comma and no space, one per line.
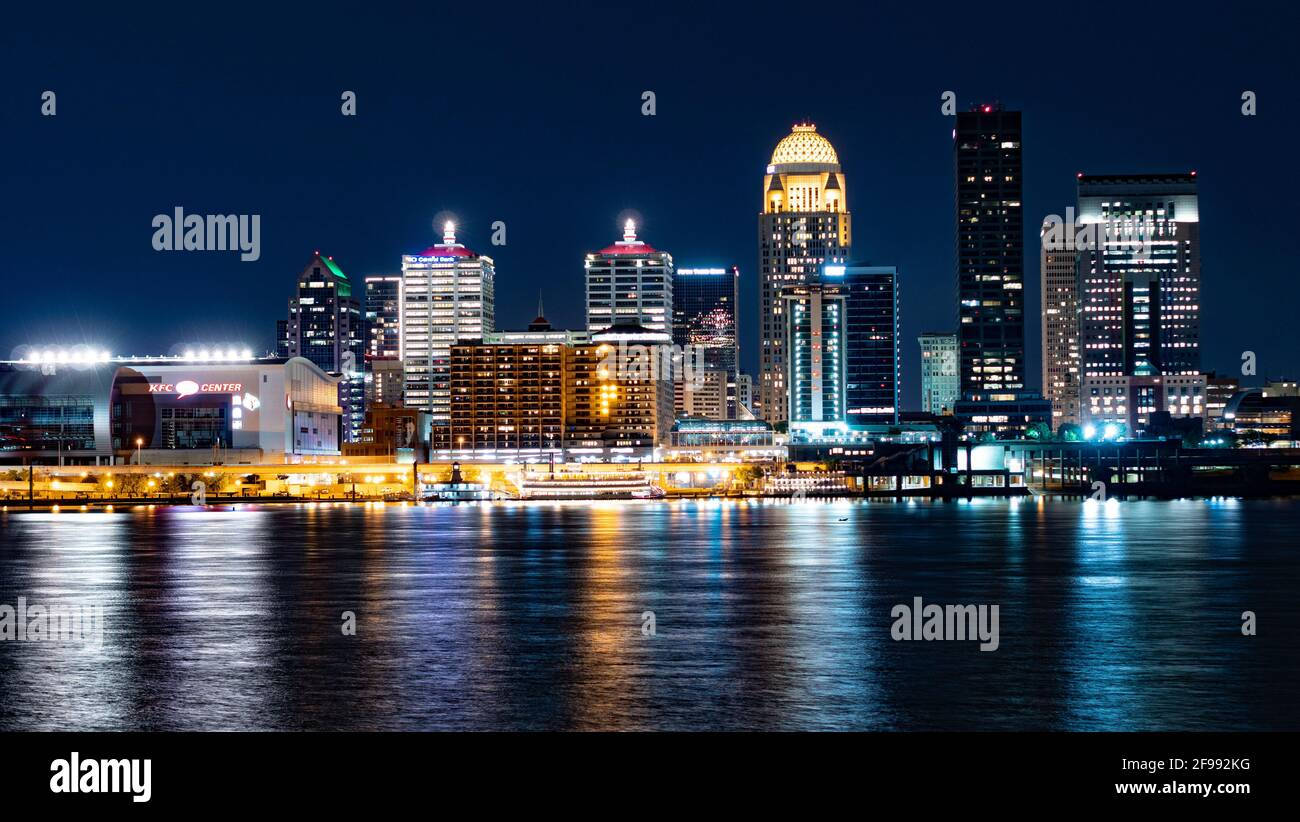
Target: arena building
(167,411)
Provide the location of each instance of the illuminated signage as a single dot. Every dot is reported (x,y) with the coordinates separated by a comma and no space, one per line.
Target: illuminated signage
(185,388)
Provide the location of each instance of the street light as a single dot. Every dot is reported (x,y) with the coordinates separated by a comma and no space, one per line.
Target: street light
(139,442)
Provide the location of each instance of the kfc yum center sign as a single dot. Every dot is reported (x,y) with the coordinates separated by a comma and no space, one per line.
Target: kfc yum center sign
(185,388)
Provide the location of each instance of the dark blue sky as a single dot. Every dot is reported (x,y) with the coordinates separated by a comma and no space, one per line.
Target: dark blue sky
(531,115)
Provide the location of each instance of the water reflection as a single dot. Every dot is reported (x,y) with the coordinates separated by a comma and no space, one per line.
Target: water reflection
(767,615)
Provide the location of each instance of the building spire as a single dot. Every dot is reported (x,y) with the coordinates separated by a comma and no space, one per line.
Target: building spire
(449,233)
(629,231)
(540,312)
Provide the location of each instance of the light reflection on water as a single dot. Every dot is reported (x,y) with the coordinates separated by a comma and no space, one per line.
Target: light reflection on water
(768,614)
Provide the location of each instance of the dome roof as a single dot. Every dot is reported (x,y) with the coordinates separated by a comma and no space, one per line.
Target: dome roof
(804,145)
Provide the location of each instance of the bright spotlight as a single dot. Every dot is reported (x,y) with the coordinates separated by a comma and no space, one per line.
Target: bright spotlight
(1111,432)
(1089,431)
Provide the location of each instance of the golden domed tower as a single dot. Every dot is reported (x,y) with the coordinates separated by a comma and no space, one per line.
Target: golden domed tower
(804,225)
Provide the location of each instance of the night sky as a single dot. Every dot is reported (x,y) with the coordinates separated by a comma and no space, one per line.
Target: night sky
(532,115)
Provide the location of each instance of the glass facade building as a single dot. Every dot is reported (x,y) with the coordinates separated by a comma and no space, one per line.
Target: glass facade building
(815,328)
(705,317)
(325,327)
(990,251)
(871,387)
(383,334)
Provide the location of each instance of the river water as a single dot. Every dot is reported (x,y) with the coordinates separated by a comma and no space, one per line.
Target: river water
(1118,615)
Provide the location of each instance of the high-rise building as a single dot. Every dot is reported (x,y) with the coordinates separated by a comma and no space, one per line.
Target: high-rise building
(705,323)
(627,391)
(324,326)
(447,297)
(1061,368)
(1139,293)
(871,388)
(508,398)
(815,333)
(940,374)
(383,323)
(629,283)
(383,312)
(990,252)
(804,225)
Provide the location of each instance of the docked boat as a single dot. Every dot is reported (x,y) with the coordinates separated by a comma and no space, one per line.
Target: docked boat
(458,490)
(583,485)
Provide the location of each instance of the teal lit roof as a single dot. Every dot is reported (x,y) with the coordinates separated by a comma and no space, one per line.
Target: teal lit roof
(338,272)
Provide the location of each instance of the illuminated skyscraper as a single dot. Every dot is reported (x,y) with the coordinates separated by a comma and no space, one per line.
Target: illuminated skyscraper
(871,388)
(990,252)
(383,317)
(1060,295)
(447,296)
(324,325)
(1140,297)
(629,283)
(815,331)
(803,226)
(705,305)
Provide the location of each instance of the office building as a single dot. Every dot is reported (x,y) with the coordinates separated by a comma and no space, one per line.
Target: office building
(872,386)
(629,283)
(940,375)
(804,225)
(1060,330)
(385,381)
(703,395)
(990,252)
(1130,401)
(705,324)
(815,329)
(325,326)
(447,296)
(1139,284)
(1140,291)
(383,333)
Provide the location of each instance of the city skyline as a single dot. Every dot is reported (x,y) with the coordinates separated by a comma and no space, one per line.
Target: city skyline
(902,190)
